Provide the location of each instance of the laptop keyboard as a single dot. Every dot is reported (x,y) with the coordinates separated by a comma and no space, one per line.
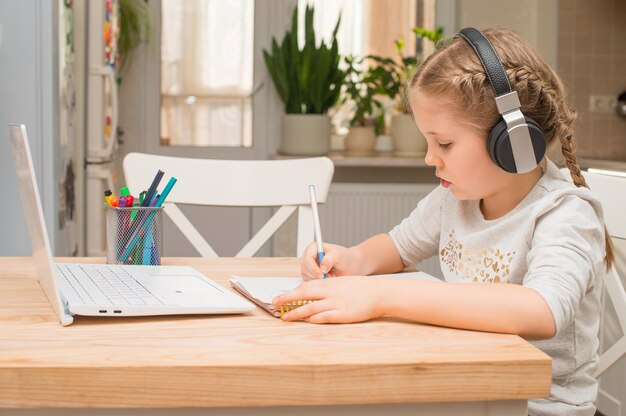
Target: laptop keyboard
(102,284)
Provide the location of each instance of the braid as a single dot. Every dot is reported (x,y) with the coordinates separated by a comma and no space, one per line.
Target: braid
(558,117)
(568,148)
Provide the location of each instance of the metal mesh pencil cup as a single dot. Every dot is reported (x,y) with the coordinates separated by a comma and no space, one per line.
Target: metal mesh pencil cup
(134,235)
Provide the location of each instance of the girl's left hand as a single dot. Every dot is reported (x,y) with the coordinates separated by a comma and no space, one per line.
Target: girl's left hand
(338,300)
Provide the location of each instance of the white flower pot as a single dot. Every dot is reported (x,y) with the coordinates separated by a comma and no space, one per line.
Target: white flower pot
(305,134)
(407,139)
(360,141)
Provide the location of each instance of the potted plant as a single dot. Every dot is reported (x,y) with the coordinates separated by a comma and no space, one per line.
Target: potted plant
(406,137)
(308,80)
(367,81)
(135,30)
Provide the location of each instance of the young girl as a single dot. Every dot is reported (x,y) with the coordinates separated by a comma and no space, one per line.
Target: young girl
(533,243)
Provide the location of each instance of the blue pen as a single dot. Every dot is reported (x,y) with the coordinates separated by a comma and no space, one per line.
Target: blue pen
(135,236)
(317,228)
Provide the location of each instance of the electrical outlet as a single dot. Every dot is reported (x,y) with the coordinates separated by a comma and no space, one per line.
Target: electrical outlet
(602,103)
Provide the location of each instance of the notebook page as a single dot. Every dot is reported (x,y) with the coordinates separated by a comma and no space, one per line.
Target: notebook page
(264,289)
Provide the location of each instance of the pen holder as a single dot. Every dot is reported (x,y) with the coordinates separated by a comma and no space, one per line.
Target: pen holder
(134,235)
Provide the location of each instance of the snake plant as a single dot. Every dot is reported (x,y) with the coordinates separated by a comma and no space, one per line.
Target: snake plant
(308,78)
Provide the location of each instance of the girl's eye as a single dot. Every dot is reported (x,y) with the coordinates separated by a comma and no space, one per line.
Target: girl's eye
(445,145)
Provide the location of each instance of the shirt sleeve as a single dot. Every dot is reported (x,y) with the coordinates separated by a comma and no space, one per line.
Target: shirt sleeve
(566,256)
(417,237)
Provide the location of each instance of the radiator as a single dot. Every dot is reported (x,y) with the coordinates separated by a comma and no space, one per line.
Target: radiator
(355,211)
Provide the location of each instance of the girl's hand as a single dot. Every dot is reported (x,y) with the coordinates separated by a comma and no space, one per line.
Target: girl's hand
(336,262)
(340,300)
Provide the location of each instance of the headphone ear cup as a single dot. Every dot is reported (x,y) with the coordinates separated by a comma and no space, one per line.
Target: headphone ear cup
(538,138)
(499,147)
(499,144)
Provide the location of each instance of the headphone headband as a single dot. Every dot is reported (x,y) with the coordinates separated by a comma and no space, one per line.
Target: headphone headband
(489,59)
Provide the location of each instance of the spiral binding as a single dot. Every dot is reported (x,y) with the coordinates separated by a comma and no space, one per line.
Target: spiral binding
(288,307)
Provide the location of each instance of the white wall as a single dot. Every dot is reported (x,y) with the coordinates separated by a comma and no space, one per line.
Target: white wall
(28,91)
(536,20)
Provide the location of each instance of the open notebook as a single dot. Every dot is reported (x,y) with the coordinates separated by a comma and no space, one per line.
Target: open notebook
(261,290)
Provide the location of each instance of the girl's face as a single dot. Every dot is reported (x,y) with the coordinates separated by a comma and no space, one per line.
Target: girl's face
(457,151)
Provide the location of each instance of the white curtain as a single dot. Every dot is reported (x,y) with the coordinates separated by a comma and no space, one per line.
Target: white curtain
(206,72)
(351,36)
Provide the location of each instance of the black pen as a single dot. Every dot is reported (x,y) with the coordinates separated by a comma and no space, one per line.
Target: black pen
(152,189)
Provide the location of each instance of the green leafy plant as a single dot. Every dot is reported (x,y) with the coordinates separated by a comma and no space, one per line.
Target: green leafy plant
(367,81)
(403,66)
(308,78)
(135,29)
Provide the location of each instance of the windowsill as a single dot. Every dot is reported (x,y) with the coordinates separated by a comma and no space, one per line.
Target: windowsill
(602,164)
(376,160)
(387,159)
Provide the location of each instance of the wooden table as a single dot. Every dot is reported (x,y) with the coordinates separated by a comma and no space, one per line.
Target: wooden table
(248,362)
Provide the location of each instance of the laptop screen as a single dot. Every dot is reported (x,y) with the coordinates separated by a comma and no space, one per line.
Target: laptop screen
(33,212)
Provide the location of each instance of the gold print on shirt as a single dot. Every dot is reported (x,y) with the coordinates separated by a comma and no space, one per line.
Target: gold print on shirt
(487,265)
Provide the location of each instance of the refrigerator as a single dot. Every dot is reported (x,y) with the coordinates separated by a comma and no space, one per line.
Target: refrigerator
(102,117)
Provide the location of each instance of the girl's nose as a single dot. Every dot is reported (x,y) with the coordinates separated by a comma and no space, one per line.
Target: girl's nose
(431,159)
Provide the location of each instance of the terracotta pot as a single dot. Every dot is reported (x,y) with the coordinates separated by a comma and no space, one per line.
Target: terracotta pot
(407,139)
(360,141)
(305,134)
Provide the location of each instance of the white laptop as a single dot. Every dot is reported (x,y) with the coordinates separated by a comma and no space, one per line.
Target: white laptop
(107,289)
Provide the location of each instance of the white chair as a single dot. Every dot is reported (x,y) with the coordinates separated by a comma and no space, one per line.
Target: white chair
(237,183)
(611,191)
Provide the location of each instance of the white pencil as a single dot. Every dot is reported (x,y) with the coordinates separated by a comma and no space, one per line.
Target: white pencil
(317,228)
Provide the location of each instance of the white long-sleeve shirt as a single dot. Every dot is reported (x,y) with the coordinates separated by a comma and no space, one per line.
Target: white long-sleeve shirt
(552,242)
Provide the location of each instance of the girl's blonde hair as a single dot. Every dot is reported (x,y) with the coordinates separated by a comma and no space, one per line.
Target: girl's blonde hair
(454,73)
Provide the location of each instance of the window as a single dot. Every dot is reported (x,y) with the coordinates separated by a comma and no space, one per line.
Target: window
(206,73)
(207,55)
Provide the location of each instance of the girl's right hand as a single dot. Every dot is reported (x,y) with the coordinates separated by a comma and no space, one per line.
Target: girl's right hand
(337,262)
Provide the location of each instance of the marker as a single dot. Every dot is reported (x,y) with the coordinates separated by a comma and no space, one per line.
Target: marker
(152,189)
(107,196)
(113,200)
(121,202)
(317,228)
(141,197)
(124,191)
(147,245)
(166,191)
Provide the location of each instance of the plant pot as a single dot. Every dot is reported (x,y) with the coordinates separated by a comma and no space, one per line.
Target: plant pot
(360,141)
(305,134)
(407,139)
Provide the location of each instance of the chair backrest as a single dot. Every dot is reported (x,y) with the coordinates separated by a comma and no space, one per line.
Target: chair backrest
(237,183)
(611,191)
